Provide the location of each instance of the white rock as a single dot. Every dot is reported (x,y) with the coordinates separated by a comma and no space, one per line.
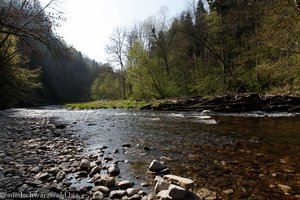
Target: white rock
(131,191)
(180,181)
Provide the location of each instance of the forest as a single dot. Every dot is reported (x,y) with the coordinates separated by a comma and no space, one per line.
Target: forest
(230,47)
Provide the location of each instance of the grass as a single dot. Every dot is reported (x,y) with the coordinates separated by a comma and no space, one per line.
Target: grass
(127,104)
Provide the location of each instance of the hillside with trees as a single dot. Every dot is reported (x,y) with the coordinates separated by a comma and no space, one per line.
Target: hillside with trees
(36,65)
(231,47)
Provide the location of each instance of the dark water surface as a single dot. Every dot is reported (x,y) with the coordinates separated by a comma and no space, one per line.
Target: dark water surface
(219,151)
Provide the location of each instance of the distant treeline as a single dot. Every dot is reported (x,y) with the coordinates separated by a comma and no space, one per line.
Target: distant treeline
(229,47)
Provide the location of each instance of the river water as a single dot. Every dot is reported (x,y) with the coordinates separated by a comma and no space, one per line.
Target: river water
(218,151)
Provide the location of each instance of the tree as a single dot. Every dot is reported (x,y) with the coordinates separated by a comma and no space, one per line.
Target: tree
(117,49)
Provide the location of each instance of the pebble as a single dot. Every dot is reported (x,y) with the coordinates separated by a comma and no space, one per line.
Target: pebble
(113,170)
(98,196)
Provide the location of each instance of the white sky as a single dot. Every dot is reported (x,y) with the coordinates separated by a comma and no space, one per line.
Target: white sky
(89,23)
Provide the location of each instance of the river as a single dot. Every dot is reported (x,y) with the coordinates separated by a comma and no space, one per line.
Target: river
(219,151)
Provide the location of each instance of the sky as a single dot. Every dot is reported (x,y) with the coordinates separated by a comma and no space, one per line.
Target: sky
(89,23)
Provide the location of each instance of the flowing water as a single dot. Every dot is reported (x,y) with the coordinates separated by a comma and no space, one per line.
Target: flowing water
(195,145)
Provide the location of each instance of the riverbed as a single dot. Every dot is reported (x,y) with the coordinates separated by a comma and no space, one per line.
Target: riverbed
(252,154)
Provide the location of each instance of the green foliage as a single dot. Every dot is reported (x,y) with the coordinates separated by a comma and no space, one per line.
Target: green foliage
(107,86)
(18,83)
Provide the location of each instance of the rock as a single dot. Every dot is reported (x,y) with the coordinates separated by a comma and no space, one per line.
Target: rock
(126,145)
(144,184)
(146,148)
(42,176)
(177,192)
(131,191)
(85,165)
(98,196)
(102,189)
(117,194)
(36,183)
(151,197)
(113,170)
(60,175)
(105,180)
(116,151)
(158,178)
(125,184)
(135,197)
(163,195)
(36,169)
(81,174)
(284,188)
(161,185)
(156,166)
(7,160)
(180,181)
(31,161)
(54,171)
(207,194)
(61,126)
(228,191)
(95,170)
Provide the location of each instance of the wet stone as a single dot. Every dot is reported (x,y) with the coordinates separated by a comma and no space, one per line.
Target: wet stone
(117,193)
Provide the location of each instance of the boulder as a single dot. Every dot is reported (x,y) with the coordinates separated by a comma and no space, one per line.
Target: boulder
(177,192)
(156,166)
(180,181)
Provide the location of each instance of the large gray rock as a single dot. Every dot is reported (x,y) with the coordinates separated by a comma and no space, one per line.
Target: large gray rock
(177,192)
(156,166)
(113,170)
(180,181)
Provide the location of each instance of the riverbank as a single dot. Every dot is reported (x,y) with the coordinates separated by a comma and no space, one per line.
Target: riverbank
(224,103)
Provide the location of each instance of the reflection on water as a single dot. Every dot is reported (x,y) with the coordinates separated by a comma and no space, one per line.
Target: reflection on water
(184,138)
